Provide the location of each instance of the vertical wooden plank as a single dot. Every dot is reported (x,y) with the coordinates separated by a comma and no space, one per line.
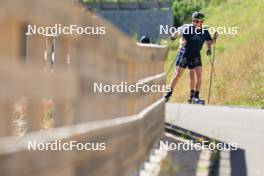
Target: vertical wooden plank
(59,114)
(36,48)
(62,51)
(36,114)
(10,37)
(6,118)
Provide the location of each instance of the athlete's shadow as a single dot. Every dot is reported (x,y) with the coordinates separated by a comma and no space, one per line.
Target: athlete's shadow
(228,164)
(237,165)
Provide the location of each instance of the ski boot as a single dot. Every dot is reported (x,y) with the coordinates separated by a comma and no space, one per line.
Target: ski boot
(168,95)
(196,101)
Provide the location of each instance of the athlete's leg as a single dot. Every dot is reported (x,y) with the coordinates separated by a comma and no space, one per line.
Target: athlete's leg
(180,66)
(192,83)
(177,75)
(198,80)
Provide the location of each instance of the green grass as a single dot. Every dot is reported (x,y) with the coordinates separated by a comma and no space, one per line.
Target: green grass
(239,58)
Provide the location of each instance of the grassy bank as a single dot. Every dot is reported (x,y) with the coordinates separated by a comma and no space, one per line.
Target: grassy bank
(239,58)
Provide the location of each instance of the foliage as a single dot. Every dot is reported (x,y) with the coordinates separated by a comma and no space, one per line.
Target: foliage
(183,9)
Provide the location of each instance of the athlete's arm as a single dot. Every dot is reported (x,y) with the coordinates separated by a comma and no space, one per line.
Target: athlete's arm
(179,32)
(209,44)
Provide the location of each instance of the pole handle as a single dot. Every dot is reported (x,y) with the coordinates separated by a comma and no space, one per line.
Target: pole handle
(215,36)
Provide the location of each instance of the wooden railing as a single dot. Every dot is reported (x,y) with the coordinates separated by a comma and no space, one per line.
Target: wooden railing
(46,94)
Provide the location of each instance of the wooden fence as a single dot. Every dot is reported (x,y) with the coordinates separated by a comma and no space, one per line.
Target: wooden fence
(46,93)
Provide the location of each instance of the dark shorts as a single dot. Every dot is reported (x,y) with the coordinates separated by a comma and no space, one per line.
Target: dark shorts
(191,61)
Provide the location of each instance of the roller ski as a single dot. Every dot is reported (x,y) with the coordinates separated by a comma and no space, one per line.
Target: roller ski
(196,101)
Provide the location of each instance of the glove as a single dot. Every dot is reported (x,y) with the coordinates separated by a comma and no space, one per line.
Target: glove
(209,52)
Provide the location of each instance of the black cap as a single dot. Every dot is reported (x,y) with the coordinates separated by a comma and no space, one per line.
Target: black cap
(198,15)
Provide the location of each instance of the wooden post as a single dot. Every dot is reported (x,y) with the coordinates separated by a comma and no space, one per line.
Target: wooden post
(6,118)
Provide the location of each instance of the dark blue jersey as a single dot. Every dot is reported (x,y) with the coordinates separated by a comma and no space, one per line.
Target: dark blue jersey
(195,38)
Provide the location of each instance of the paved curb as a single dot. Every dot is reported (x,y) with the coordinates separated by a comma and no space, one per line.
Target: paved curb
(152,166)
(207,163)
(204,162)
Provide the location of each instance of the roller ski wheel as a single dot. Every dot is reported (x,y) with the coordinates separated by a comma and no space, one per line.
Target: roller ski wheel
(196,101)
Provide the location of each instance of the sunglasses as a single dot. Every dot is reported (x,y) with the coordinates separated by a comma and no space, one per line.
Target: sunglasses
(198,21)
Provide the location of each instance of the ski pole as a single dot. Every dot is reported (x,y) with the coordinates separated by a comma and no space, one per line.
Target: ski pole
(172,64)
(212,65)
(212,68)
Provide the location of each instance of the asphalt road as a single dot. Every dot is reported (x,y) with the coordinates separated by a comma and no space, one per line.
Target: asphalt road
(243,126)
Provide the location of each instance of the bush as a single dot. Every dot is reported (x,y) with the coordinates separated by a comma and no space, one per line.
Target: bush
(183,9)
